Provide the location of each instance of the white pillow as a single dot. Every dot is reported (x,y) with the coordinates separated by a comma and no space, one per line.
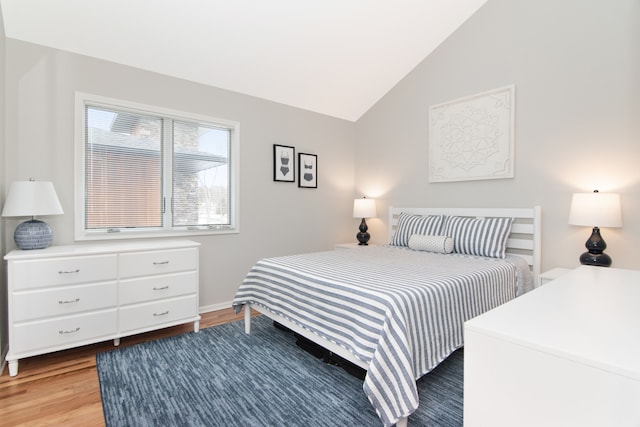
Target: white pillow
(439,244)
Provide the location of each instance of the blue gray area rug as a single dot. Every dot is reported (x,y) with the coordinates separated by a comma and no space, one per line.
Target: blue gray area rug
(221,376)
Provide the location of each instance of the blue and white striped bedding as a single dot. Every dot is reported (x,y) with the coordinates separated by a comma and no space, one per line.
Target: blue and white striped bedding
(400,311)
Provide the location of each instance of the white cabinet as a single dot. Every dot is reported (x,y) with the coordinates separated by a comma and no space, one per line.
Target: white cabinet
(66,296)
(565,354)
(552,274)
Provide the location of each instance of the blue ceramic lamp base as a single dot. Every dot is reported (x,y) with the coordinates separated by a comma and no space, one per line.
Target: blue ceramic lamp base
(33,234)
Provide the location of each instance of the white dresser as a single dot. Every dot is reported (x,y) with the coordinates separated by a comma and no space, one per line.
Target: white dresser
(67,296)
(565,354)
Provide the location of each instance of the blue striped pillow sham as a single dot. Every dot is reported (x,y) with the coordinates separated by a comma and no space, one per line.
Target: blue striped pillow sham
(409,224)
(480,237)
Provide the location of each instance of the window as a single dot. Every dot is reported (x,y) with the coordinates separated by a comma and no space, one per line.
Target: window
(143,171)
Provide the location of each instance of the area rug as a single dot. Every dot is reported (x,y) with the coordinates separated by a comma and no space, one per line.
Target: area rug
(221,376)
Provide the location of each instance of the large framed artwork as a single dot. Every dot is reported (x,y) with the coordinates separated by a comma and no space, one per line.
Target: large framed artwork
(307,170)
(472,138)
(284,158)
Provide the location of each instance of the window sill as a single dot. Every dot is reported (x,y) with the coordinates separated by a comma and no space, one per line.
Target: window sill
(128,234)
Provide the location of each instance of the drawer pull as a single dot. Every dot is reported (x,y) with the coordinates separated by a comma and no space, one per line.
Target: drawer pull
(160,262)
(164,313)
(68,301)
(161,289)
(77,270)
(72,331)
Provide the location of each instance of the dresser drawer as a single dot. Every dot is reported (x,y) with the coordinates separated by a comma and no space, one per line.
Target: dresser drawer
(141,316)
(31,305)
(63,332)
(31,274)
(158,262)
(156,287)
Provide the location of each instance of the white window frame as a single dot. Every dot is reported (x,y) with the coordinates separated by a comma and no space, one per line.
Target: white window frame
(81,101)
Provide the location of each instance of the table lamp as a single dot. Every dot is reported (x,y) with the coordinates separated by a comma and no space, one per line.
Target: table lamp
(31,198)
(364,208)
(595,210)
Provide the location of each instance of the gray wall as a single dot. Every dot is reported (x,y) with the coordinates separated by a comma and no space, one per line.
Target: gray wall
(576,68)
(276,218)
(3,276)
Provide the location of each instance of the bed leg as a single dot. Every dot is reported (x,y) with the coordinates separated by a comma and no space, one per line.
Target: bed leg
(247,318)
(402,422)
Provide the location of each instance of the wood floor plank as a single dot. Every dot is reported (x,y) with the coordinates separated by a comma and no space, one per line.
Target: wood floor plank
(62,388)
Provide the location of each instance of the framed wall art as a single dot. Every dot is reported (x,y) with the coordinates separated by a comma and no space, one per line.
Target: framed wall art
(284,159)
(307,170)
(472,138)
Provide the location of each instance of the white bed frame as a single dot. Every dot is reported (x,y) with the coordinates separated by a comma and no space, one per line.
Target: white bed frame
(523,241)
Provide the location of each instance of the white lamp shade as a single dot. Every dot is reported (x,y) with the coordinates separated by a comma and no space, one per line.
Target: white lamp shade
(596,210)
(32,198)
(364,208)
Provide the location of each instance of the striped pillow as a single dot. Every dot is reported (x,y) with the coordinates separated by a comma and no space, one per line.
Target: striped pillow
(409,224)
(481,237)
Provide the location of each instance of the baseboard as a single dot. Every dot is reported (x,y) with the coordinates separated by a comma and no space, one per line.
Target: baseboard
(215,307)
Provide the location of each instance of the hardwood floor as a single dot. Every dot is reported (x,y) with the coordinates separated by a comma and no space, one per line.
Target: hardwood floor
(62,388)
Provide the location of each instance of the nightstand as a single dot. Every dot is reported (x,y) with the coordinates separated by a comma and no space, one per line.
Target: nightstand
(552,274)
(352,246)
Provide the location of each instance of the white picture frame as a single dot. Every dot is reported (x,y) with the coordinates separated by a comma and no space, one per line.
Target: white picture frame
(473,138)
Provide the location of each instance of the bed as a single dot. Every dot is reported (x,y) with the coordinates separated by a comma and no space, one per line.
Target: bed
(398,310)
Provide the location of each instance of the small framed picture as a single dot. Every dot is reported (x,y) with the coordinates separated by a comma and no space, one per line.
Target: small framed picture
(284,159)
(307,170)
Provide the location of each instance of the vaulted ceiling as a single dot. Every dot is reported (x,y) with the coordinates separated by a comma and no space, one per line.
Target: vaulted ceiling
(335,57)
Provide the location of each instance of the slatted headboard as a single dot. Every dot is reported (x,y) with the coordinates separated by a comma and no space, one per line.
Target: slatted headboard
(525,237)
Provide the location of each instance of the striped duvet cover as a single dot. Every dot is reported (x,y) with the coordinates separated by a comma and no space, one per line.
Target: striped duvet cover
(400,311)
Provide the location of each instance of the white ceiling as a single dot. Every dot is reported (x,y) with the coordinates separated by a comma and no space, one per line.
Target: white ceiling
(335,57)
